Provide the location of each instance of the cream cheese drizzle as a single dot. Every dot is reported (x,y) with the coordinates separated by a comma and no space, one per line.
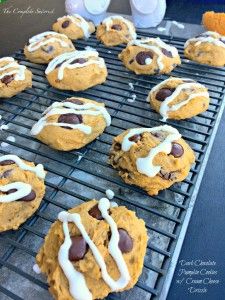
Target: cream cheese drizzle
(23,189)
(18,70)
(80,22)
(213,39)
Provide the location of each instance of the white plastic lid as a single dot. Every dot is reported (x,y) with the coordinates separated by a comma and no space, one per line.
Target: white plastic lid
(96,7)
(145,6)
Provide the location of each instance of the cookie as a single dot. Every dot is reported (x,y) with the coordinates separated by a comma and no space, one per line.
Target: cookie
(207,48)
(42,48)
(92,250)
(150,56)
(75,27)
(71,124)
(179,98)
(14,78)
(115,30)
(76,71)
(21,190)
(151,158)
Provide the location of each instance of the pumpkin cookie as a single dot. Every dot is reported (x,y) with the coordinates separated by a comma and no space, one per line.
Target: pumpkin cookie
(92,250)
(71,124)
(151,158)
(76,71)
(14,78)
(42,48)
(115,30)
(207,48)
(214,21)
(179,98)
(75,27)
(150,56)
(21,190)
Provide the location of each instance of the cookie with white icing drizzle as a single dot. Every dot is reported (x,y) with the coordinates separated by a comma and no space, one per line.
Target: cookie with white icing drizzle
(150,56)
(179,98)
(74,26)
(115,30)
(92,250)
(43,47)
(71,124)
(76,71)
(151,158)
(21,190)
(14,78)
(206,48)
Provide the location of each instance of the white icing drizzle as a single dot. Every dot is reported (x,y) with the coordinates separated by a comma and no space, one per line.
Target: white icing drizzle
(145,165)
(38,169)
(110,194)
(165,108)
(108,22)
(67,58)
(80,22)
(47,37)
(17,70)
(23,189)
(155,44)
(213,39)
(36,269)
(78,287)
(62,108)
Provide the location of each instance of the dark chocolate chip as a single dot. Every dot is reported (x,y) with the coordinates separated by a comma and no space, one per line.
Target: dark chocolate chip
(125,241)
(70,119)
(65,24)
(166,52)
(135,138)
(59,65)
(78,249)
(131,61)
(47,49)
(6,174)
(11,191)
(142,56)
(177,150)
(7,162)
(117,27)
(162,94)
(7,79)
(117,146)
(75,101)
(29,197)
(79,61)
(95,212)
(167,175)
(159,135)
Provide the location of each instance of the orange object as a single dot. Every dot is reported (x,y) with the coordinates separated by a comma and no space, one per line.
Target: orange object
(214,21)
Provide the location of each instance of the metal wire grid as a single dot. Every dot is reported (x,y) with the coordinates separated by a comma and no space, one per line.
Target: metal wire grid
(78,176)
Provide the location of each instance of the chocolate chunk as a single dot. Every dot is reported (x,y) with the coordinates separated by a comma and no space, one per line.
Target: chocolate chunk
(75,101)
(59,65)
(166,52)
(7,162)
(65,24)
(117,147)
(125,242)
(95,212)
(29,197)
(70,119)
(142,56)
(6,174)
(177,150)
(162,94)
(167,175)
(47,49)
(11,191)
(159,135)
(7,79)
(117,27)
(79,61)
(131,61)
(78,249)
(135,138)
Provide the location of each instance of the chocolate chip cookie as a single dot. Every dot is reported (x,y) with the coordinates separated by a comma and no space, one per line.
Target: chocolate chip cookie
(150,56)
(76,71)
(151,158)
(115,30)
(71,124)
(21,190)
(92,250)
(42,48)
(179,98)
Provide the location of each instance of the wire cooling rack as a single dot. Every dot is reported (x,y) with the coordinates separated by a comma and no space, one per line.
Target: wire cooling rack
(78,176)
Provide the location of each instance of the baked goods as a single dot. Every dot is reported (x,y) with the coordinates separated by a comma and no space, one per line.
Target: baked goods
(76,71)
(92,250)
(179,98)
(151,158)
(150,56)
(42,48)
(75,27)
(21,190)
(14,78)
(115,30)
(207,48)
(214,21)
(71,124)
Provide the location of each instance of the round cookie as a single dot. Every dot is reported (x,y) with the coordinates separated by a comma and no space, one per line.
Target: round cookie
(207,48)
(76,71)
(179,98)
(113,235)
(151,158)
(115,30)
(14,78)
(75,27)
(71,124)
(42,48)
(21,190)
(150,56)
